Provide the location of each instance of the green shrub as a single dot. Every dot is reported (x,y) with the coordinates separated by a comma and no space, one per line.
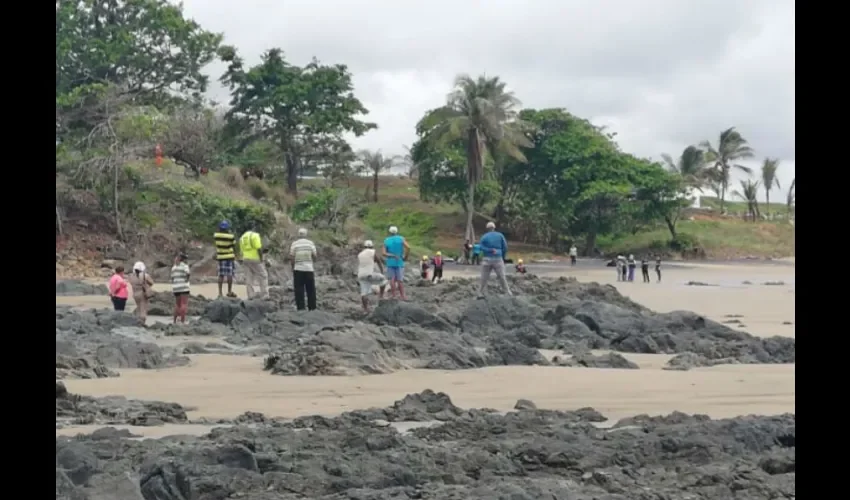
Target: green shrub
(232,176)
(686,243)
(258,189)
(200,211)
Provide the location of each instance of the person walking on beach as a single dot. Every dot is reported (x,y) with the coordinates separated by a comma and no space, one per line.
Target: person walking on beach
(437,262)
(180,274)
(395,252)
(302,253)
(225,254)
(644,268)
(142,284)
(367,260)
(632,264)
(573,255)
(658,267)
(624,268)
(251,249)
(118,289)
(494,249)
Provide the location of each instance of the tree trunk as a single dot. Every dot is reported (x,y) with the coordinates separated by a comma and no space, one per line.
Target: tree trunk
(767,198)
(58,220)
(291,173)
(115,201)
(470,211)
(375,186)
(722,195)
(590,244)
(671,226)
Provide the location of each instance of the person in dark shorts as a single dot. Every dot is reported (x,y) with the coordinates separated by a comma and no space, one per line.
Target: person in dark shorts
(180,273)
(573,255)
(644,268)
(467,252)
(424,266)
(658,267)
(225,254)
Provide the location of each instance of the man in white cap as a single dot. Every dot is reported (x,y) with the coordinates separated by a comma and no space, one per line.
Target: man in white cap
(494,248)
(366,275)
(395,251)
(302,252)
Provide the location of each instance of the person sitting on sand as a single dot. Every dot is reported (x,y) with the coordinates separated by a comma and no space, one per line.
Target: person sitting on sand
(118,289)
(520,267)
(644,268)
(437,262)
(366,275)
(142,284)
(180,274)
(423,267)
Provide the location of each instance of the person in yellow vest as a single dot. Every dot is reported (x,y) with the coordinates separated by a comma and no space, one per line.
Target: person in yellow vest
(251,248)
(225,254)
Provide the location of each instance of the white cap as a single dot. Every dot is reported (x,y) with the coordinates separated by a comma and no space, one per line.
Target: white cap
(139,266)
(631,256)
(368,244)
(393,230)
(491,225)
(302,231)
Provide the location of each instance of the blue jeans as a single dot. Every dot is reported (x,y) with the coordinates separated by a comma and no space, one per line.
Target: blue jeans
(395,273)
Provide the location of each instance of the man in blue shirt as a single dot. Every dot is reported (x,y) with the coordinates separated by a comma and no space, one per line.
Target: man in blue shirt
(494,249)
(476,254)
(395,252)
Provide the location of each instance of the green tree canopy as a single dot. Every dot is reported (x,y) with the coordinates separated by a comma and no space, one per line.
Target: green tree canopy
(291,105)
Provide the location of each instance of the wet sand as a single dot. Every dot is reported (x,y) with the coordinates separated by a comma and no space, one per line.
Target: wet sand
(219,386)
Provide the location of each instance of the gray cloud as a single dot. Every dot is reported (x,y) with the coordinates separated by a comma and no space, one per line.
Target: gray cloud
(662,73)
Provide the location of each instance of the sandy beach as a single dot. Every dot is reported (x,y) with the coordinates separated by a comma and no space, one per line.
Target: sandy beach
(222,386)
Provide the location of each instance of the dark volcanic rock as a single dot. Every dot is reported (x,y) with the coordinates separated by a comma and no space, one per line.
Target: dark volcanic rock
(589,360)
(113,410)
(162,304)
(77,287)
(91,344)
(473,454)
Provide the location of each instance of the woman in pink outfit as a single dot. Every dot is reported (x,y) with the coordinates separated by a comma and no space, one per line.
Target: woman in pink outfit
(118,289)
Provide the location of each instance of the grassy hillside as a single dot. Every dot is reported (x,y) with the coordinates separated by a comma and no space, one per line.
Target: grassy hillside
(171,211)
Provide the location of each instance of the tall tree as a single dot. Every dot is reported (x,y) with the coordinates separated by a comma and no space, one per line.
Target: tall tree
(791,198)
(731,148)
(483,114)
(375,163)
(145,46)
(769,179)
(291,105)
(691,166)
(749,193)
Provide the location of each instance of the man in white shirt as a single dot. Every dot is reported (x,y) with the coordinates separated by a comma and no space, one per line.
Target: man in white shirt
(573,255)
(367,277)
(302,252)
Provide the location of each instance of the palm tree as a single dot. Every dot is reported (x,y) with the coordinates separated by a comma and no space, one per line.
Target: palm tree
(483,114)
(769,179)
(791,199)
(406,160)
(749,193)
(375,163)
(731,147)
(690,166)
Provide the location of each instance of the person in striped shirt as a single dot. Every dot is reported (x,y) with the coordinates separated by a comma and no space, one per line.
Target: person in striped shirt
(302,253)
(225,254)
(180,273)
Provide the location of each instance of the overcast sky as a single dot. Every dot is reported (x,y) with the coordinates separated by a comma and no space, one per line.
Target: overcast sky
(661,73)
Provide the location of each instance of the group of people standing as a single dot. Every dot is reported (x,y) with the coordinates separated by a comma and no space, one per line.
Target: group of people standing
(626,268)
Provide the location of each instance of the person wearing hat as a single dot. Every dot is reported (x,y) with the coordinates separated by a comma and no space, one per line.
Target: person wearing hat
(251,250)
(424,266)
(395,251)
(302,253)
(494,249)
(367,277)
(180,273)
(225,254)
(142,283)
(437,262)
(520,267)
